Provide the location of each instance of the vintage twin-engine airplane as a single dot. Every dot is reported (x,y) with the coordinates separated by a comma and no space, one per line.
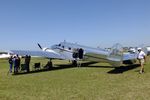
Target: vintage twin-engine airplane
(75,52)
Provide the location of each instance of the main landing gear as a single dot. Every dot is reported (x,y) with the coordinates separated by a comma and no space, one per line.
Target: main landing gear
(77,55)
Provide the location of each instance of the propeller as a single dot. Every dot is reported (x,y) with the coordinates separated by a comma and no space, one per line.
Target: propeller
(39,46)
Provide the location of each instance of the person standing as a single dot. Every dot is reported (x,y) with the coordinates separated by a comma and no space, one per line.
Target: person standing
(27,62)
(18,62)
(142,59)
(15,64)
(10,60)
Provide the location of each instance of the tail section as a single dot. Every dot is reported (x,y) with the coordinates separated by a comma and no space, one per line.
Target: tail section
(115,56)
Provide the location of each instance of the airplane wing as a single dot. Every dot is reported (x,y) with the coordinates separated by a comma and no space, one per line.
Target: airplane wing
(38,53)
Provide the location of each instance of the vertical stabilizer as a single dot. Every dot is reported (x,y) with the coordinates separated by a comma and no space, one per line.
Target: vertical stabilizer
(115,56)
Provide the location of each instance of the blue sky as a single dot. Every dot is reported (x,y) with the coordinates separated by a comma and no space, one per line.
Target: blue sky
(94,23)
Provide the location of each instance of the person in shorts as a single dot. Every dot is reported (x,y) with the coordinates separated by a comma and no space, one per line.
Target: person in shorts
(142,59)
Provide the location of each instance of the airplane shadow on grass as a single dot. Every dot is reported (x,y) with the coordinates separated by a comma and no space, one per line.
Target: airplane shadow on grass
(56,67)
(44,70)
(121,69)
(116,70)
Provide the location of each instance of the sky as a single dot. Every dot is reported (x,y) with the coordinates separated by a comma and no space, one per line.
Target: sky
(24,23)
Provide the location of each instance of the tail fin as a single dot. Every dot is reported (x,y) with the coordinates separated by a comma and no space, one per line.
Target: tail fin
(115,56)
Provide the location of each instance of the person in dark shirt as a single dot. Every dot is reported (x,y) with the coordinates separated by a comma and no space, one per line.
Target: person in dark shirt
(10,60)
(18,62)
(15,64)
(27,62)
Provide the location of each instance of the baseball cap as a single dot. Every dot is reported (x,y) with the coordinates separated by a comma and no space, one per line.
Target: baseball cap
(139,48)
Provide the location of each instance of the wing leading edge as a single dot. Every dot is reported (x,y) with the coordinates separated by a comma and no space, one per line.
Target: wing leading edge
(38,53)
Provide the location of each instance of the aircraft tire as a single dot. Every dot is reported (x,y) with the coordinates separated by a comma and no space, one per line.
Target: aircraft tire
(74,63)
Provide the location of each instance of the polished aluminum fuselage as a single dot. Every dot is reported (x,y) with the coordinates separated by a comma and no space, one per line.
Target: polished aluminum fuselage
(90,54)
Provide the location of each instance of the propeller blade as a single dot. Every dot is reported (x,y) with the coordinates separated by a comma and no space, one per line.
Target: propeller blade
(39,46)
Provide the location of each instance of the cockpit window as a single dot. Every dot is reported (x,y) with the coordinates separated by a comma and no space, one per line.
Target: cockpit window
(63,47)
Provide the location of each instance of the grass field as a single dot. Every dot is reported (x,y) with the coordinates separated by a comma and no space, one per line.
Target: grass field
(94,82)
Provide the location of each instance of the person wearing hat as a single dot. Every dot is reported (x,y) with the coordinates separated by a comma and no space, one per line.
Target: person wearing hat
(142,59)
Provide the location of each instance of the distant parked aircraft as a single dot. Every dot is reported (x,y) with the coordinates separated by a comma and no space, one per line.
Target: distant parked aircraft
(75,52)
(5,55)
(148,50)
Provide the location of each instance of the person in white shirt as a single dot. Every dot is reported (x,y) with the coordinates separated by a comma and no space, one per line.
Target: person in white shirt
(142,59)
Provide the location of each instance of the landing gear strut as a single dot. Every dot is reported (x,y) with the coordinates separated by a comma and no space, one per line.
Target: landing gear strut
(77,55)
(74,63)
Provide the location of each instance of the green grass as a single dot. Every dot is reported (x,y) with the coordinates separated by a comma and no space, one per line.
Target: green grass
(84,83)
